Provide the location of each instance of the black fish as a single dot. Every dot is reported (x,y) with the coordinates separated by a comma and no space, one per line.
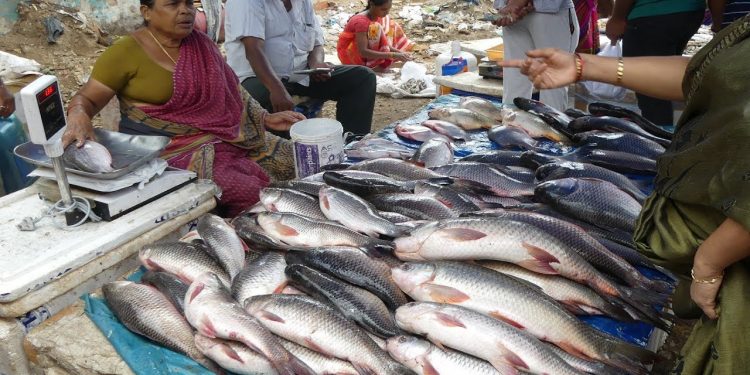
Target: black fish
(364,186)
(303,186)
(612,125)
(533,160)
(625,142)
(169,285)
(249,230)
(622,162)
(604,109)
(506,158)
(558,120)
(555,171)
(575,113)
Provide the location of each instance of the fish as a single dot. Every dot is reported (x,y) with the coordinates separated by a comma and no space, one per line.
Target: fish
(518,303)
(447,129)
(355,267)
(511,137)
(147,312)
(605,109)
(211,310)
(234,356)
(92,157)
(555,171)
(357,304)
(498,182)
(425,358)
(577,298)
(597,202)
(355,213)
(372,147)
(416,206)
(397,169)
(416,132)
(533,160)
(364,186)
(575,113)
(623,162)
(316,326)
(434,152)
(249,230)
(466,119)
(500,157)
(184,260)
(558,120)
(613,125)
(481,106)
(303,186)
(169,285)
(507,348)
(263,275)
(395,217)
(321,364)
(447,196)
(534,126)
(590,367)
(624,142)
(287,200)
(223,239)
(298,230)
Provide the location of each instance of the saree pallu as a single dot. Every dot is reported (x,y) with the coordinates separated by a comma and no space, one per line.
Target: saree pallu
(216,128)
(588,17)
(382,35)
(704,178)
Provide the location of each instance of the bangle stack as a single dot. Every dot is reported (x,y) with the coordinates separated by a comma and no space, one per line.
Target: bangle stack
(620,70)
(707,280)
(579,67)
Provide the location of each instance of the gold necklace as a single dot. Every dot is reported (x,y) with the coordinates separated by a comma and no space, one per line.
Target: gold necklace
(162,47)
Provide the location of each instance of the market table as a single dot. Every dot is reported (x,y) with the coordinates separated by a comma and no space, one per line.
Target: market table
(43,271)
(472,82)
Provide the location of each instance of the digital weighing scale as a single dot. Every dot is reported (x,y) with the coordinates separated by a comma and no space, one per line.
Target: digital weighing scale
(44,114)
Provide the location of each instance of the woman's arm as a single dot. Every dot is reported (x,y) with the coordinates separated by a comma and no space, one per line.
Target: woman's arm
(659,77)
(86,103)
(364,51)
(728,244)
(7,102)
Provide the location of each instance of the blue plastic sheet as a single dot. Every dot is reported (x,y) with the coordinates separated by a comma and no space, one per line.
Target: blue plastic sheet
(146,357)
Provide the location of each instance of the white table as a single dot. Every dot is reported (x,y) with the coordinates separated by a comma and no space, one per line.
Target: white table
(472,82)
(44,271)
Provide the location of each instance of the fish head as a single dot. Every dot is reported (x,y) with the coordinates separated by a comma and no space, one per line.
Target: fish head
(295,257)
(438,113)
(407,247)
(508,114)
(298,272)
(274,224)
(407,349)
(269,197)
(110,289)
(409,314)
(411,275)
(553,190)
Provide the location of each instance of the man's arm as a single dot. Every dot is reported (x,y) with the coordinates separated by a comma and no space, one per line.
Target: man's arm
(717,13)
(618,21)
(280,98)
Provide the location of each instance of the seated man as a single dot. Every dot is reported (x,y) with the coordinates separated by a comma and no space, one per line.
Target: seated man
(268,40)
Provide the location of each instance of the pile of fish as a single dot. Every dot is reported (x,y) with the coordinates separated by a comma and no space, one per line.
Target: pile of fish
(434,265)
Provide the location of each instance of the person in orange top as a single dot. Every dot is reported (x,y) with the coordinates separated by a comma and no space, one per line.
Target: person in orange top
(371,38)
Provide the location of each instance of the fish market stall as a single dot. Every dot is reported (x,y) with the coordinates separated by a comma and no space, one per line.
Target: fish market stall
(448,245)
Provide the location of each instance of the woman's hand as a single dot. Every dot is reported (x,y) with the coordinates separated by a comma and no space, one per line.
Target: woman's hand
(703,294)
(402,56)
(282,121)
(79,128)
(7,103)
(547,68)
(513,11)
(615,28)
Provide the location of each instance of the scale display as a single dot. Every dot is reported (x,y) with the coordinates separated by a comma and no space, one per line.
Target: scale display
(44,113)
(51,109)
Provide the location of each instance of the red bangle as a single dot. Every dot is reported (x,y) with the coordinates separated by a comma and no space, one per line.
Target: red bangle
(579,67)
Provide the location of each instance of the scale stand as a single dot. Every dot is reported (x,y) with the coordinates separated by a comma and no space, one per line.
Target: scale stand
(44,114)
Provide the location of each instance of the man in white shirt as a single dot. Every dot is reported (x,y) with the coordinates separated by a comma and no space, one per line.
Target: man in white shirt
(268,40)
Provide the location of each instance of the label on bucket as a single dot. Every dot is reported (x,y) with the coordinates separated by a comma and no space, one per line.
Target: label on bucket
(310,157)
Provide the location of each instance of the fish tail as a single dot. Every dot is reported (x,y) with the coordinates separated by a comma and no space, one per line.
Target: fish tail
(663,270)
(644,312)
(293,366)
(628,357)
(210,365)
(645,295)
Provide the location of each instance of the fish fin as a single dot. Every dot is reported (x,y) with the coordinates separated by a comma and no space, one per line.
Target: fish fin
(462,234)
(294,366)
(445,294)
(541,262)
(279,288)
(364,369)
(198,289)
(428,369)
(231,353)
(207,327)
(504,367)
(627,356)
(575,308)
(263,314)
(497,315)
(151,265)
(437,343)
(511,359)
(324,202)
(572,350)
(315,347)
(285,229)
(449,321)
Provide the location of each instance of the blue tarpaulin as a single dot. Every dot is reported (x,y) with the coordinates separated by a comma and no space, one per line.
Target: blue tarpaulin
(146,357)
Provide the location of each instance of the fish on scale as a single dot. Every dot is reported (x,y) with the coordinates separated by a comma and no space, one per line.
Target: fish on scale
(92,157)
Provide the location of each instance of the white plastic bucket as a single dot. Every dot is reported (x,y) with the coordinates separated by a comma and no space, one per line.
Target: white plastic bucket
(316,142)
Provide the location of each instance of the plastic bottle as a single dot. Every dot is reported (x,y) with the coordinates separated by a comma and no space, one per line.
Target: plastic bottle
(457,61)
(13,170)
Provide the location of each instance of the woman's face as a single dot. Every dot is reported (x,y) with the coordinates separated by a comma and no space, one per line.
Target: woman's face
(173,18)
(380,10)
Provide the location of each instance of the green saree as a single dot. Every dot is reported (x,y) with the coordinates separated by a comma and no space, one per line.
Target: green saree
(703,178)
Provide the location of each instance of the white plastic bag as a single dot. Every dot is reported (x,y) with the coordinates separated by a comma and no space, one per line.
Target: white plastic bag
(605,90)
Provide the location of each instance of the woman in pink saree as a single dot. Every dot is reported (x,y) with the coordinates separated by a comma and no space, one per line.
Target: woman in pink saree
(371,38)
(171,80)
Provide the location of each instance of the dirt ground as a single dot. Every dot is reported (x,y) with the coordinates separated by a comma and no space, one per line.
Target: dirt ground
(75,52)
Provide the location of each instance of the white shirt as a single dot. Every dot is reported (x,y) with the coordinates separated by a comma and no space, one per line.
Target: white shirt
(542,6)
(288,36)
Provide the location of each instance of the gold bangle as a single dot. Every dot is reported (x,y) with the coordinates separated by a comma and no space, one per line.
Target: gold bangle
(708,280)
(579,66)
(620,70)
